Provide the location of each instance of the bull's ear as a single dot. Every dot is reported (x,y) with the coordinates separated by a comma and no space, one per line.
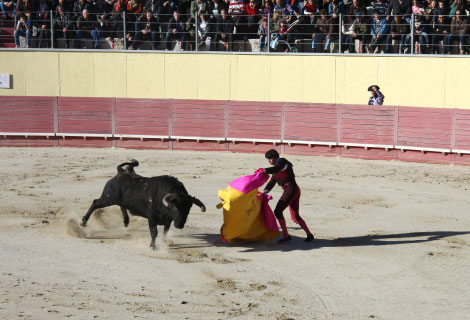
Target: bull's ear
(198,202)
(168,200)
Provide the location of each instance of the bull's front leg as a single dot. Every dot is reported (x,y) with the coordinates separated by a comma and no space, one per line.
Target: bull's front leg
(97,204)
(153,233)
(165,231)
(125,216)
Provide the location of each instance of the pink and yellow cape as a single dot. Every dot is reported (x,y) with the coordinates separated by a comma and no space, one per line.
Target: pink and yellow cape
(247,215)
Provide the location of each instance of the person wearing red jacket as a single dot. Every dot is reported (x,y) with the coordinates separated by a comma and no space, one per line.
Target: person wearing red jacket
(283,175)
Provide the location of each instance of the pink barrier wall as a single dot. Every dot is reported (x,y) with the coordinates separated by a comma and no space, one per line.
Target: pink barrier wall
(357,131)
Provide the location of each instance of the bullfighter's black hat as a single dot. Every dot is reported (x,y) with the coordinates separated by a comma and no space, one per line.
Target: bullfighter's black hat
(271,154)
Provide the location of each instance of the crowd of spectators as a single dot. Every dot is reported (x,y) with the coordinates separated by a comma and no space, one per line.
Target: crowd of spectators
(435,26)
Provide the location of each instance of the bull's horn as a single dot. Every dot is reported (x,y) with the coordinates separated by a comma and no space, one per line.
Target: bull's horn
(167,198)
(198,202)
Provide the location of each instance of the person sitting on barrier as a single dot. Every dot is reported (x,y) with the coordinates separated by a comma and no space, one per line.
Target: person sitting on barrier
(87,27)
(458,30)
(376,98)
(63,26)
(322,31)
(147,31)
(204,32)
(78,8)
(23,29)
(176,31)
(420,34)
(8,9)
(263,34)
(267,9)
(399,31)
(283,174)
(379,29)
(440,30)
(43,24)
(224,31)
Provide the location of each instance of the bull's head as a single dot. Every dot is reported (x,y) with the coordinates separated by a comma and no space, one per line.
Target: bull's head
(179,206)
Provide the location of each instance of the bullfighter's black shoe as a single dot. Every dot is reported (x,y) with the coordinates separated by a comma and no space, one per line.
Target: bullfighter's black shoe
(309,238)
(288,238)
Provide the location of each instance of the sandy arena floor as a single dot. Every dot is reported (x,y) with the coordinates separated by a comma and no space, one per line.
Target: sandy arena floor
(392,242)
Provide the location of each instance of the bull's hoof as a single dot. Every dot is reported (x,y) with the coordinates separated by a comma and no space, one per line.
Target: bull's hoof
(83,224)
(153,246)
(126,223)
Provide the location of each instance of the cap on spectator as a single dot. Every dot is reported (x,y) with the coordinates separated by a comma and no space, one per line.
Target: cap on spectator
(372,86)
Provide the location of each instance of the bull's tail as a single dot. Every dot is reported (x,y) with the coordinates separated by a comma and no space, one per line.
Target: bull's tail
(129,166)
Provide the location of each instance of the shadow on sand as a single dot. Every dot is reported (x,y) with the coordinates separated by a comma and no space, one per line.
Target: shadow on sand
(298,243)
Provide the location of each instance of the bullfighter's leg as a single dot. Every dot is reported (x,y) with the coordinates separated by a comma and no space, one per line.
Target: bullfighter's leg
(97,204)
(165,231)
(153,234)
(125,216)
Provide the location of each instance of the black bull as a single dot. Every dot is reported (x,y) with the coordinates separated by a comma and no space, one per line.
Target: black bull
(161,199)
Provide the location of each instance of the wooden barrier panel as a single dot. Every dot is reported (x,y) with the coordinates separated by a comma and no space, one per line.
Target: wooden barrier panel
(85,115)
(430,127)
(310,122)
(462,130)
(254,120)
(27,114)
(142,117)
(367,125)
(198,118)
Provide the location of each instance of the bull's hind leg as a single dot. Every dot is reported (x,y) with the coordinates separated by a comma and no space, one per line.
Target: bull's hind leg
(153,234)
(97,204)
(125,216)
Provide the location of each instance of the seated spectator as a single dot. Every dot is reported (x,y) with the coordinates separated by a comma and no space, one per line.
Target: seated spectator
(355,7)
(152,6)
(378,31)
(23,6)
(66,5)
(43,24)
(347,33)
(147,31)
(322,31)
(224,30)
(78,8)
(117,26)
(310,8)
(417,8)
(335,6)
(8,9)
(399,31)
(236,7)
(263,34)
(204,32)
(252,11)
(361,29)
(216,6)
(399,8)
(165,12)
(420,34)
(279,7)
(267,9)
(63,26)
(42,6)
(458,30)
(199,6)
(23,29)
(440,30)
(441,9)
(454,6)
(87,28)
(176,31)
(380,6)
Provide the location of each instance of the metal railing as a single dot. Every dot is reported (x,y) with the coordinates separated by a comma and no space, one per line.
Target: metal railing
(262,33)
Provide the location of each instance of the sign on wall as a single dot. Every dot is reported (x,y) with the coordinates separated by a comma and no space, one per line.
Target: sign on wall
(4,81)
